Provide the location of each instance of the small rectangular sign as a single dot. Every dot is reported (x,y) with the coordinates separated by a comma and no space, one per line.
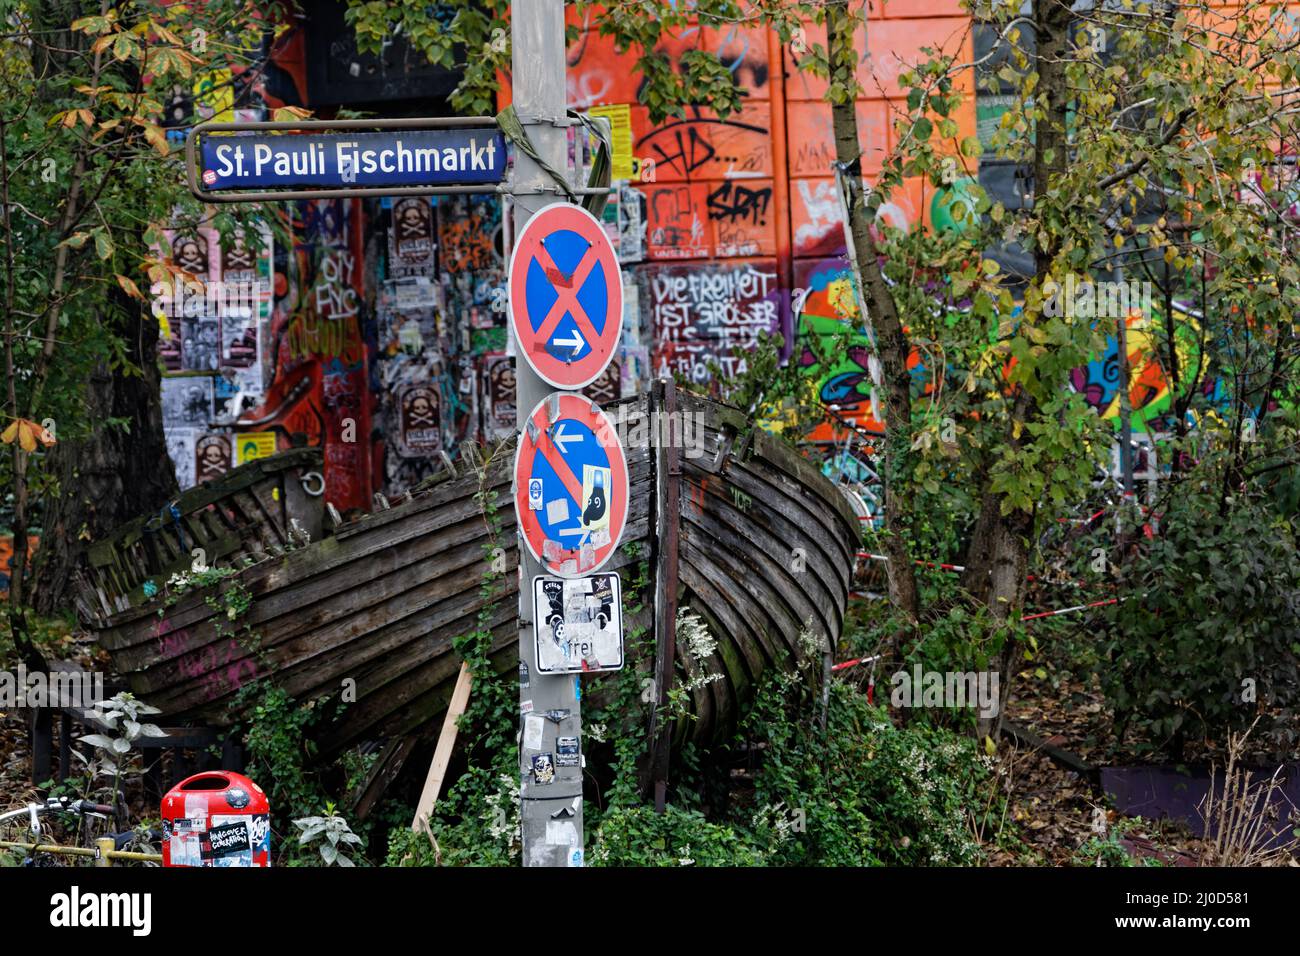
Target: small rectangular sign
(578,623)
(348,160)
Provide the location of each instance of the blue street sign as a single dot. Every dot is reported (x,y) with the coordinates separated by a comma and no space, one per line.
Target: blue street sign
(353,160)
(571,483)
(565,293)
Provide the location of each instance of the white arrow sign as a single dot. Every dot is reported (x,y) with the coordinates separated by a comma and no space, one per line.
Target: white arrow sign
(577,341)
(562,440)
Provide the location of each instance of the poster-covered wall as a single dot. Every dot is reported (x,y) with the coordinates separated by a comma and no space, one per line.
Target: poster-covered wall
(383,340)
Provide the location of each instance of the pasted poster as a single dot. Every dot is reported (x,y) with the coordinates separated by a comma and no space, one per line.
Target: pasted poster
(631,224)
(212,456)
(419,432)
(180,448)
(620,122)
(201,343)
(411,243)
(250,446)
(608,386)
(186,401)
(499,405)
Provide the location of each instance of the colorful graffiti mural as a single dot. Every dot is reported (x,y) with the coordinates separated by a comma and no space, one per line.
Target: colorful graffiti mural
(7,557)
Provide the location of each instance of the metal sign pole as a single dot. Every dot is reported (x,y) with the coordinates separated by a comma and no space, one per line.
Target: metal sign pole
(550,812)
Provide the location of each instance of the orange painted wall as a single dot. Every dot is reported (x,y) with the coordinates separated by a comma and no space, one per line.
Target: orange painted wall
(740,200)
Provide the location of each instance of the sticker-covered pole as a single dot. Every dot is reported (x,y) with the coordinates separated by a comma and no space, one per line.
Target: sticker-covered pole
(550,795)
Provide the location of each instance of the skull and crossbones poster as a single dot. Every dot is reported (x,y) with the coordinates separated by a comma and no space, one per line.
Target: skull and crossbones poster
(419,421)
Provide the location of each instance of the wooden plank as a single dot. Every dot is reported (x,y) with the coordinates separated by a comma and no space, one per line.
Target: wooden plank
(442,752)
(386,769)
(666,527)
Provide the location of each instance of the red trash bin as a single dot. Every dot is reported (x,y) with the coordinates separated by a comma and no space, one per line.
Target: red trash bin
(216,818)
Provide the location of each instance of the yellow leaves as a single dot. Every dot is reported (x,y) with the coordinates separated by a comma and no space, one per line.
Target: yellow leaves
(27,433)
(1016,428)
(990,747)
(129,287)
(287,114)
(165,34)
(102,44)
(100,24)
(124,47)
(157,139)
(70,118)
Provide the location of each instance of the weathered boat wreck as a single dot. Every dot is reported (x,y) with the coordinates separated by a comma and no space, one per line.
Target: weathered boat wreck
(764,549)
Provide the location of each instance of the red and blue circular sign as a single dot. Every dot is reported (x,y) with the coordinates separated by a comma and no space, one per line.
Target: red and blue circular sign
(571,485)
(565,293)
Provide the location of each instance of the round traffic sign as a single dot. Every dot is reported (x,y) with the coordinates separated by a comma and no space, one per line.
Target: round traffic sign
(571,485)
(565,293)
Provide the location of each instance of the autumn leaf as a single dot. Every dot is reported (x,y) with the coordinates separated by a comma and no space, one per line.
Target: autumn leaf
(285,114)
(129,287)
(27,433)
(157,139)
(103,244)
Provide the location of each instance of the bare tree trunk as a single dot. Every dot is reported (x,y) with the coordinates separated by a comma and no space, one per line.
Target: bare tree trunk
(113,475)
(118,472)
(998,558)
(892,346)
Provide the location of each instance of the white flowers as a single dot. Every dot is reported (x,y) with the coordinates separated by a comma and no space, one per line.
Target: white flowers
(693,634)
(503,811)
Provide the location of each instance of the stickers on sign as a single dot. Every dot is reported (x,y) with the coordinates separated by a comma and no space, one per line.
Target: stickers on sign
(535,495)
(543,769)
(566,751)
(227,841)
(571,447)
(578,623)
(565,295)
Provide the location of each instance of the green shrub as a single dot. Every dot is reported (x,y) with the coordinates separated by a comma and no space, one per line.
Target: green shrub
(1211,604)
(637,836)
(862,792)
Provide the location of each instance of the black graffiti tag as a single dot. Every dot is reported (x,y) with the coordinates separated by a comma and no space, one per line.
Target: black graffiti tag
(732,202)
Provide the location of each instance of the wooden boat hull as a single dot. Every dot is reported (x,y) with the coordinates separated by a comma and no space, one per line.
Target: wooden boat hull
(765,555)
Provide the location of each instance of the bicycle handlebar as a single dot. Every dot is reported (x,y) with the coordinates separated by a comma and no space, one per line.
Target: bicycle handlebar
(58,805)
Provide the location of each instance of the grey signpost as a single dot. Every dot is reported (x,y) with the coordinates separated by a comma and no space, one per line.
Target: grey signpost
(538,83)
(359,158)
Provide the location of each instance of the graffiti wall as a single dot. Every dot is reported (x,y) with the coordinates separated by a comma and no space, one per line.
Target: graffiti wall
(383,339)
(702,217)
(742,226)
(7,557)
(442,378)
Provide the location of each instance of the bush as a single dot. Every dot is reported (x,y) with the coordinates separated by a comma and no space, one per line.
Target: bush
(1211,603)
(475,824)
(637,836)
(863,792)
